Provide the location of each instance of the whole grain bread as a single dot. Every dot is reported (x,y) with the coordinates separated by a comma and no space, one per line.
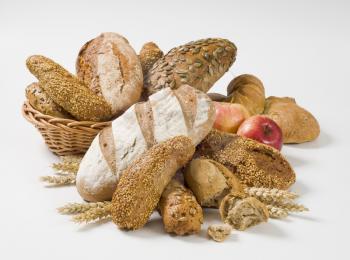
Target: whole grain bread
(198,63)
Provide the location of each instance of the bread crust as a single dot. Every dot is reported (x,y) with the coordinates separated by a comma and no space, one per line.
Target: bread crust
(111,68)
(143,181)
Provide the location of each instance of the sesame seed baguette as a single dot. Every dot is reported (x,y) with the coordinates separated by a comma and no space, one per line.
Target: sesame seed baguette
(144,180)
(180,211)
(67,90)
(168,113)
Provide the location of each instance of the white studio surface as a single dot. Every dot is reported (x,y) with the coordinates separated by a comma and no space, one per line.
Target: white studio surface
(297,48)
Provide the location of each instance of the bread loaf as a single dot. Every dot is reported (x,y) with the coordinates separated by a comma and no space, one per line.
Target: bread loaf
(199,64)
(168,113)
(111,68)
(68,91)
(181,213)
(43,103)
(149,54)
(143,181)
(297,124)
(255,164)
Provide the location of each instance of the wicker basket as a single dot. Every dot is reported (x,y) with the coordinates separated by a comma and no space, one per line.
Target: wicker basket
(63,136)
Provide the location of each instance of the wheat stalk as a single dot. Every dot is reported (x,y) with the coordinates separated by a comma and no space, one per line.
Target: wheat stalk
(269,196)
(276,212)
(291,206)
(59,179)
(93,214)
(69,164)
(75,208)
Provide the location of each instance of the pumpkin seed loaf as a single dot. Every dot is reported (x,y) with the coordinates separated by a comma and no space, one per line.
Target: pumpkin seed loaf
(67,90)
(38,99)
(255,164)
(142,183)
(198,63)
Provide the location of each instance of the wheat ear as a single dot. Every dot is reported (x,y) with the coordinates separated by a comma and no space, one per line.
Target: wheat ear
(69,164)
(270,195)
(93,214)
(75,208)
(276,212)
(59,179)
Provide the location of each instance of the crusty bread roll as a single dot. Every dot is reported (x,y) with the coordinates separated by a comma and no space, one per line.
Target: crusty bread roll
(199,63)
(255,164)
(248,91)
(168,113)
(297,124)
(143,181)
(210,181)
(111,68)
(149,54)
(68,91)
(43,103)
(181,213)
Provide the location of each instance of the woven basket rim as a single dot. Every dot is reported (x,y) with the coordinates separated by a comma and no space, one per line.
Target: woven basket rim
(36,117)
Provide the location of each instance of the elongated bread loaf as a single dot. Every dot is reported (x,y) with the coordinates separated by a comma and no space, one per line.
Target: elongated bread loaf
(144,180)
(168,113)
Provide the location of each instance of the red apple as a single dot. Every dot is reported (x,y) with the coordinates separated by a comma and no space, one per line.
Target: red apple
(262,129)
(229,116)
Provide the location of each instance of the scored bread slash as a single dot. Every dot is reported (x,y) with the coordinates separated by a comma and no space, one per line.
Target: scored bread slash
(168,113)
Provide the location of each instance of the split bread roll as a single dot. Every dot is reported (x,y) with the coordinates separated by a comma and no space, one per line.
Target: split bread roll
(210,181)
(144,180)
(68,91)
(180,211)
(255,164)
(168,113)
(109,66)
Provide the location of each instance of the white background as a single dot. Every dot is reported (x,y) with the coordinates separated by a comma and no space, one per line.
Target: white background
(297,48)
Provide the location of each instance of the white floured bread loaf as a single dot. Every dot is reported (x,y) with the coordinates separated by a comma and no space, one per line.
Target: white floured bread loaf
(168,113)
(112,69)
